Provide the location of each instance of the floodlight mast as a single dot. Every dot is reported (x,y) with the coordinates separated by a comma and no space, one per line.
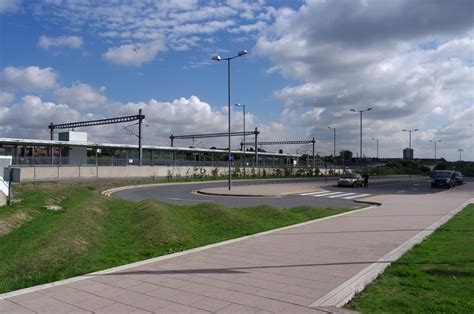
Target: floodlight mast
(409,137)
(334,129)
(360,111)
(435,141)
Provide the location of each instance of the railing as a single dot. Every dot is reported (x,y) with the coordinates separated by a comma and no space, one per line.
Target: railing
(101,161)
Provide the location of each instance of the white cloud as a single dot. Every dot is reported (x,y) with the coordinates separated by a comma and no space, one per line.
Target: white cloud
(15,123)
(247,28)
(46,42)
(180,116)
(134,54)
(81,96)
(178,25)
(349,54)
(27,79)
(6,98)
(9,5)
(438,111)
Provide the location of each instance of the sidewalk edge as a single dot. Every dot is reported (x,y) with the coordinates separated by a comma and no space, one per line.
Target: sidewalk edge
(345,292)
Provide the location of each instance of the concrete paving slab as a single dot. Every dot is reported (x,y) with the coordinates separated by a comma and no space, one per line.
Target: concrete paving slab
(309,267)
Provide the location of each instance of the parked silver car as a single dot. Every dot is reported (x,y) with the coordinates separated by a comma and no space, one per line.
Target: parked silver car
(351,180)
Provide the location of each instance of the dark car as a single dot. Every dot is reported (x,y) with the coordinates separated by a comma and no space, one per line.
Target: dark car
(351,180)
(443,178)
(458,178)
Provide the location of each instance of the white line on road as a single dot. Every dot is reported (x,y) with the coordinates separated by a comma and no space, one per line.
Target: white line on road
(327,194)
(356,196)
(341,195)
(313,193)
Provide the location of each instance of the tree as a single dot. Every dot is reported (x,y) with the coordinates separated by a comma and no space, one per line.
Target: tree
(345,154)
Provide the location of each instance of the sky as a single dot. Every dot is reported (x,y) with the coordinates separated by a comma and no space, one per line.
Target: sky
(308,64)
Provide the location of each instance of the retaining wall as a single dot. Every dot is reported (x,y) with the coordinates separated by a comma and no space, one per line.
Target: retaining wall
(103,172)
(32,173)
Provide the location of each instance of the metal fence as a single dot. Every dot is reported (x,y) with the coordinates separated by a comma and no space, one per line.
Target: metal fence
(56,161)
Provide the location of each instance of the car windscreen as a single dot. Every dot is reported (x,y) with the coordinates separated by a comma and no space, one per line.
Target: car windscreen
(442,174)
(349,176)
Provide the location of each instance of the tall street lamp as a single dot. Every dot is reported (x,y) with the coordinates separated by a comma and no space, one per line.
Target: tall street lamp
(460,151)
(243,107)
(377,140)
(334,129)
(353,110)
(460,159)
(435,141)
(218,58)
(409,132)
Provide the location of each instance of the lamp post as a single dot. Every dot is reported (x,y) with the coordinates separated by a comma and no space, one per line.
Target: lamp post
(460,151)
(409,132)
(460,159)
(218,58)
(334,129)
(353,110)
(377,140)
(243,107)
(435,141)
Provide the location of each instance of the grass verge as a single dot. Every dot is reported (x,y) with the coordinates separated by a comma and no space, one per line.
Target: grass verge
(94,232)
(436,276)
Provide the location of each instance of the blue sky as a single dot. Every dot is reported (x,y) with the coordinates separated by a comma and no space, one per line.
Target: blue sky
(309,63)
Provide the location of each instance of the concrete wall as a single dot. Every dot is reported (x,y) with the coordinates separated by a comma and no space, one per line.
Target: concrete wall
(91,172)
(101,172)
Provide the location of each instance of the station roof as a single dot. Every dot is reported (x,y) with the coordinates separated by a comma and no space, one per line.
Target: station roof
(49,143)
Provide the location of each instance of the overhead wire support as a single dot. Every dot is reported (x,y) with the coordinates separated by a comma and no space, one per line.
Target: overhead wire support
(222,134)
(140,117)
(95,122)
(283,142)
(208,135)
(312,141)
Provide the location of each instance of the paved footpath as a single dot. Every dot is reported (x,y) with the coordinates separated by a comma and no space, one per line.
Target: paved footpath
(301,269)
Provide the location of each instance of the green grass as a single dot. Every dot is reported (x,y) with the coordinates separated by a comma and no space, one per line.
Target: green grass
(94,232)
(436,276)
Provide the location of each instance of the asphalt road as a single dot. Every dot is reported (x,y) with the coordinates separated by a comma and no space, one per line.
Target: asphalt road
(341,197)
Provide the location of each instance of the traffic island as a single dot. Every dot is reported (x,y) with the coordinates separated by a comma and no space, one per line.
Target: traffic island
(262,190)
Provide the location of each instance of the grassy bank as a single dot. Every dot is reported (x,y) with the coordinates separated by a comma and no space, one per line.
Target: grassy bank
(92,232)
(436,276)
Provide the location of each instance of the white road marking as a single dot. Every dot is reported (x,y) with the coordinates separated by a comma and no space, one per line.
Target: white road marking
(327,194)
(341,195)
(356,196)
(313,193)
(332,194)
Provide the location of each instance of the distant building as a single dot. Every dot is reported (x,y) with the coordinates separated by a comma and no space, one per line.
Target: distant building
(408,153)
(74,154)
